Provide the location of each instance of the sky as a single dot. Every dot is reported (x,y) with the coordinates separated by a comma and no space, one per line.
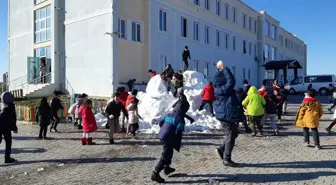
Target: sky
(312,23)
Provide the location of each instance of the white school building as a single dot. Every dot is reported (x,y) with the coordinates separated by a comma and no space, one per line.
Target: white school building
(93,46)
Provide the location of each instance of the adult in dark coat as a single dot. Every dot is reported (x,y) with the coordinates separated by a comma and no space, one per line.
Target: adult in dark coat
(43,116)
(172,126)
(228,111)
(7,123)
(55,105)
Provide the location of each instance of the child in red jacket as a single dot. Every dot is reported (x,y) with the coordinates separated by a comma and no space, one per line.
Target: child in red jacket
(88,121)
(208,96)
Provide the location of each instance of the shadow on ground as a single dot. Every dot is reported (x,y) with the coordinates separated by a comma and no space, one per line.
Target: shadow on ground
(25,150)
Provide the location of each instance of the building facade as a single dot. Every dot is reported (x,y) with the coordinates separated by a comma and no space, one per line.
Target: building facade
(103,43)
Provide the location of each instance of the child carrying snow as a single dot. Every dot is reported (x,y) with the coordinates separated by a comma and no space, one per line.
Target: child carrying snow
(133,116)
(172,126)
(88,121)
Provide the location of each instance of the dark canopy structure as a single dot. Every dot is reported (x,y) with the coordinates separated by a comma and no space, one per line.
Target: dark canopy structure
(277,65)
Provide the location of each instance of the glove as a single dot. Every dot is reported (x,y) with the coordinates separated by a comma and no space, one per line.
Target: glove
(111,116)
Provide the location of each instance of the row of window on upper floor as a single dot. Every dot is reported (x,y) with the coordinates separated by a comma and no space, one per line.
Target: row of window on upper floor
(42,24)
(250,24)
(270,52)
(271,30)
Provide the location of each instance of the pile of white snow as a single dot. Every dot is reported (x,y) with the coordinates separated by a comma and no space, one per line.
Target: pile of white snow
(157,102)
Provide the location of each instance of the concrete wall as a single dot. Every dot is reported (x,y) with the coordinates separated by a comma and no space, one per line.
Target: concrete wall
(20,37)
(134,56)
(88,49)
(171,43)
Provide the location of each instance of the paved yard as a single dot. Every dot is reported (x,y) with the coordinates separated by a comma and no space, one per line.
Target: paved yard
(268,160)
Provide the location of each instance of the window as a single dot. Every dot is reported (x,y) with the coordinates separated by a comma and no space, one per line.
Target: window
(122,29)
(183,27)
(136,32)
(281,40)
(43,52)
(273,53)
(163,20)
(249,74)
(234,12)
(281,56)
(227,41)
(206,70)
(250,48)
(316,79)
(286,43)
(207,4)
(244,76)
(273,31)
(250,24)
(163,61)
(196,65)
(196,31)
(197,2)
(39,1)
(244,20)
(218,38)
(234,71)
(227,11)
(206,38)
(255,26)
(234,43)
(266,51)
(255,50)
(218,8)
(244,47)
(43,24)
(267,28)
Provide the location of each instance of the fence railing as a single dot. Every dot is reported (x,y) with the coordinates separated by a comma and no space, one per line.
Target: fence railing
(68,87)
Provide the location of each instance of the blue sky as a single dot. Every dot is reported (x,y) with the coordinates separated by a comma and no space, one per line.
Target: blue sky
(311,23)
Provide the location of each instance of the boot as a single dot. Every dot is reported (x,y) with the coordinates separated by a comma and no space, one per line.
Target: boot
(80,127)
(230,163)
(10,160)
(89,141)
(168,170)
(157,178)
(220,153)
(83,141)
(111,141)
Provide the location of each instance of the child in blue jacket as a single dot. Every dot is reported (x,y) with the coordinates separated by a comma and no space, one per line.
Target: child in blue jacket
(172,126)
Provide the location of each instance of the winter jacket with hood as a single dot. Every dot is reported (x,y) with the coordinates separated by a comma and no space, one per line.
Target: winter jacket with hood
(208,93)
(172,125)
(7,113)
(88,119)
(44,114)
(309,113)
(254,102)
(227,106)
(186,55)
(271,105)
(79,103)
(168,72)
(56,105)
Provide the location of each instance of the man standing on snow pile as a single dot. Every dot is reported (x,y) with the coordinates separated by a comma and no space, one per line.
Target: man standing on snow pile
(167,76)
(185,56)
(228,111)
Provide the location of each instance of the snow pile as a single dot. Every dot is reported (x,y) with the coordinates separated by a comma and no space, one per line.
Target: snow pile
(156,102)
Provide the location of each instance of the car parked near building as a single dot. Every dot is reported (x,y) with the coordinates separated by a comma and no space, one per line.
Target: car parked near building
(319,83)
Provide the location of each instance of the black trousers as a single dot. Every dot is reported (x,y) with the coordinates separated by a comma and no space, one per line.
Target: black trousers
(231,133)
(186,65)
(332,124)
(255,120)
(166,157)
(43,130)
(333,104)
(55,121)
(316,136)
(7,135)
(204,102)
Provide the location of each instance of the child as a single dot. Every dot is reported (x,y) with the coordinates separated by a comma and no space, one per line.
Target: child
(7,123)
(123,98)
(208,97)
(43,115)
(332,124)
(255,109)
(133,116)
(308,117)
(271,112)
(55,107)
(241,97)
(88,121)
(112,112)
(284,93)
(172,126)
(79,102)
(279,103)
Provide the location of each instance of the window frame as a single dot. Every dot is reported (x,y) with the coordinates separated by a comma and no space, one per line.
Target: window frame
(227,40)
(250,24)
(234,13)
(184,27)
(250,48)
(120,35)
(197,2)
(218,38)
(207,5)
(273,53)
(207,34)
(244,47)
(244,20)
(45,28)
(198,31)
(138,35)
(255,26)
(218,7)
(267,25)
(227,13)
(163,25)
(267,54)
(234,43)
